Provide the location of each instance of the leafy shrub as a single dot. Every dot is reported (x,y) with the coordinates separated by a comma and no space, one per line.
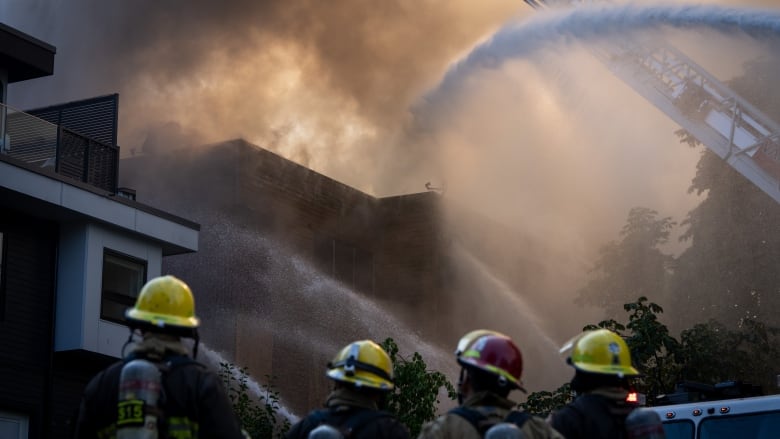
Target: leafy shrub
(416,395)
(259,415)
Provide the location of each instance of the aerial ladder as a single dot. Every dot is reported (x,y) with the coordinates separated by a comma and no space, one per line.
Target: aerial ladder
(716,116)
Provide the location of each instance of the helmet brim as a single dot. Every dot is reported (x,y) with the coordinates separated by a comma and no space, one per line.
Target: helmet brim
(162,320)
(627,371)
(361,379)
(511,381)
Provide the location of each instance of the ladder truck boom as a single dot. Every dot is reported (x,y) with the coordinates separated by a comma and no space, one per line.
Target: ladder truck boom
(715,115)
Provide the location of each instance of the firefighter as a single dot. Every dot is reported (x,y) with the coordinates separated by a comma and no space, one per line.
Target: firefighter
(158,390)
(362,375)
(491,367)
(602,370)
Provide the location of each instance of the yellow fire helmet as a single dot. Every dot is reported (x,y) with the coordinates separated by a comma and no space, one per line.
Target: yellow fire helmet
(364,364)
(467,339)
(602,351)
(165,304)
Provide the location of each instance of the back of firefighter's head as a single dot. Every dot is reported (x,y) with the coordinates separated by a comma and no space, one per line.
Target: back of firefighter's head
(363,365)
(601,358)
(490,361)
(164,305)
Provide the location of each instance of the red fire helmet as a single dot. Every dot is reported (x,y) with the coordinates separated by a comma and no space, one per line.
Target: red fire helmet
(495,354)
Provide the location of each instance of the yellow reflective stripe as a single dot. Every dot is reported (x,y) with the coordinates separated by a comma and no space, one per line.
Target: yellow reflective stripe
(107,433)
(181,427)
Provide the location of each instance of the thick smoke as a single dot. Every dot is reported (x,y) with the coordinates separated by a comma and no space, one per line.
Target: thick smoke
(322,83)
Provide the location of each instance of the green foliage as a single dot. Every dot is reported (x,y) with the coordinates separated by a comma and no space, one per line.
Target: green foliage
(633,266)
(652,348)
(711,352)
(610,324)
(542,403)
(708,352)
(259,415)
(416,395)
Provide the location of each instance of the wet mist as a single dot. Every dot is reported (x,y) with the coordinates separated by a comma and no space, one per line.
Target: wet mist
(273,312)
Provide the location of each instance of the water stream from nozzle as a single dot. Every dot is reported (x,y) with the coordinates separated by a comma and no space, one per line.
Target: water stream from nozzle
(589,22)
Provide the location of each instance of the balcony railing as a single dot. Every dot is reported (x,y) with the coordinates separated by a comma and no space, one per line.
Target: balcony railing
(45,145)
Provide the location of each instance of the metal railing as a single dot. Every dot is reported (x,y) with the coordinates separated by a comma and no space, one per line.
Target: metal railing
(48,146)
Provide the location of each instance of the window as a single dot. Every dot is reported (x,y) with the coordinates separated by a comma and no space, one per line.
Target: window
(123,278)
(679,430)
(13,426)
(752,425)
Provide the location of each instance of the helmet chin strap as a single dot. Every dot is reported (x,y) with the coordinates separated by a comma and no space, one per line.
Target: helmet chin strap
(127,343)
(461,379)
(196,341)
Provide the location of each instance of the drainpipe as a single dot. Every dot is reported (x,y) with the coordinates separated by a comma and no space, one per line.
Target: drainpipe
(48,409)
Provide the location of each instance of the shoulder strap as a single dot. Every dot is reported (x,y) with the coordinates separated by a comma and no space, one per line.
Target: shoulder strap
(318,417)
(362,418)
(479,420)
(517,418)
(474,417)
(348,422)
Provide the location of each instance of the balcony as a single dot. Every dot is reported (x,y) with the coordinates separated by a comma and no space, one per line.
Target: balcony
(53,147)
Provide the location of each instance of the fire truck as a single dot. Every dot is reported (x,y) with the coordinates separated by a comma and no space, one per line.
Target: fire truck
(721,411)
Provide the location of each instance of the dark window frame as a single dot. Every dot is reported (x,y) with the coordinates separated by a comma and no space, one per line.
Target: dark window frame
(115,297)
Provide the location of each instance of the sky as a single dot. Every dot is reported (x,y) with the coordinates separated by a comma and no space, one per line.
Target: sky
(385,97)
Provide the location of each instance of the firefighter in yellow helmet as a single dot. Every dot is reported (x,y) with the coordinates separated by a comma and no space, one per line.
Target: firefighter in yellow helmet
(491,367)
(602,365)
(362,374)
(158,389)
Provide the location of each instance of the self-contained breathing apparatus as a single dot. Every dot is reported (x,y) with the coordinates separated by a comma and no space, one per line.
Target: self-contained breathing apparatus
(504,430)
(507,427)
(338,424)
(644,423)
(140,386)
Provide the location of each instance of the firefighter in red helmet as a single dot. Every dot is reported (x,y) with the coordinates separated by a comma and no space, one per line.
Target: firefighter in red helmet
(491,367)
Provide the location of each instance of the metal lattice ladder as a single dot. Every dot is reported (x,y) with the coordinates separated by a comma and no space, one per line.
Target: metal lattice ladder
(712,113)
